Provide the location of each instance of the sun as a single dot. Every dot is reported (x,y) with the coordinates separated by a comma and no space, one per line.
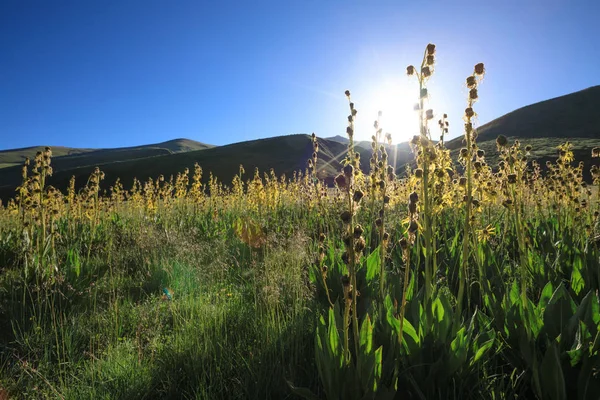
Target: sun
(396,102)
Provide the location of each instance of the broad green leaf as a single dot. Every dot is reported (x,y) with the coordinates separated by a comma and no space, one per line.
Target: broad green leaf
(546,296)
(377,367)
(558,312)
(334,341)
(373,264)
(302,392)
(515,293)
(366,336)
(551,375)
(483,349)
(577,281)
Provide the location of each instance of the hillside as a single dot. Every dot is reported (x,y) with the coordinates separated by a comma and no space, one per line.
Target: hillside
(72,159)
(284,154)
(545,125)
(9,158)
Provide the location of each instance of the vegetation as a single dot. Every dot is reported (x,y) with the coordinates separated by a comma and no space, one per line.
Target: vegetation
(459,279)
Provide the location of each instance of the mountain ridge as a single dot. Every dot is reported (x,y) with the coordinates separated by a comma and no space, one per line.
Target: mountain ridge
(544,125)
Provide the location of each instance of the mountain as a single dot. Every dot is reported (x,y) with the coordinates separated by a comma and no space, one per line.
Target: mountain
(283,154)
(66,159)
(543,125)
(573,117)
(10,158)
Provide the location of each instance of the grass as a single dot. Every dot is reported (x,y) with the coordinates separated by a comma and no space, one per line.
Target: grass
(475,275)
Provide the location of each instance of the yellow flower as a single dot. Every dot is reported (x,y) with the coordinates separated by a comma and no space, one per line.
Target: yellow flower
(483,235)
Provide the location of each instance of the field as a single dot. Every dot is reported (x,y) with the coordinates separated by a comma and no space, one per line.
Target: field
(472,275)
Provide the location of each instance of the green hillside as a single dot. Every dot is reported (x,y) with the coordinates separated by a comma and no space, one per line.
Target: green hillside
(545,125)
(14,157)
(69,159)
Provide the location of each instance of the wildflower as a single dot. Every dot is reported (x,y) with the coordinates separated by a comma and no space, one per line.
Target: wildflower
(484,235)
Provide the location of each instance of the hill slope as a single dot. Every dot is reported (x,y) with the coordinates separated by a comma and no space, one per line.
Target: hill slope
(284,154)
(545,125)
(65,159)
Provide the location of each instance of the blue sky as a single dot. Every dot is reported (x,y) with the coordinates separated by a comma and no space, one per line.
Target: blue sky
(118,73)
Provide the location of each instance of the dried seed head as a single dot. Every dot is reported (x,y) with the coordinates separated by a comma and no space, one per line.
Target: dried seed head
(378,222)
(471,82)
(410,70)
(480,153)
(429,114)
(512,178)
(347,93)
(473,94)
(430,49)
(469,113)
(358,195)
(348,170)
(340,181)
(358,231)
(501,141)
(403,243)
(413,198)
(413,227)
(386,236)
(412,208)
(462,181)
(359,245)
(430,60)
(426,72)
(419,173)
(479,69)
(346,216)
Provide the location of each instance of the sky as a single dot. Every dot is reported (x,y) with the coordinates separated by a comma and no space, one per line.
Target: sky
(110,73)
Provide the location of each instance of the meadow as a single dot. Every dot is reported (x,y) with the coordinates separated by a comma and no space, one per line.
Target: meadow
(458,277)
